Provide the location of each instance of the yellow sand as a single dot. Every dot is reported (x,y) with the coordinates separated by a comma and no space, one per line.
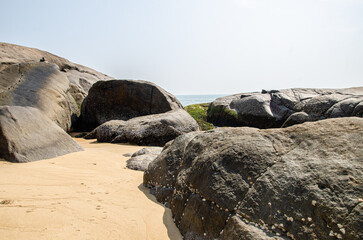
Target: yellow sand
(84,195)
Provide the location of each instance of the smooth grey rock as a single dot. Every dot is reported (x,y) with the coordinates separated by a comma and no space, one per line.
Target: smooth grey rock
(124,100)
(31,78)
(148,151)
(271,109)
(38,85)
(56,86)
(300,182)
(83,77)
(150,130)
(26,134)
(140,160)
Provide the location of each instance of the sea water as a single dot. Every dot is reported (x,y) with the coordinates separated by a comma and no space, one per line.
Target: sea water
(186,100)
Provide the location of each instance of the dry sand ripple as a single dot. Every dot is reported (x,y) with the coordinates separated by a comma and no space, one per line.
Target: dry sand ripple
(84,195)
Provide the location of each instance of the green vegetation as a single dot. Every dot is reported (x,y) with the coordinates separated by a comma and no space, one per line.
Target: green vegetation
(199,113)
(76,109)
(231,113)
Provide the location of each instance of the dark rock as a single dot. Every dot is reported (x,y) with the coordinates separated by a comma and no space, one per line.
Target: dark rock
(299,117)
(124,100)
(300,182)
(150,130)
(140,160)
(26,134)
(271,109)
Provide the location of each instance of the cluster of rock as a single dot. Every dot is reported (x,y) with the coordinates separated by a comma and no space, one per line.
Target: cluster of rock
(277,108)
(39,101)
(136,112)
(43,96)
(301,182)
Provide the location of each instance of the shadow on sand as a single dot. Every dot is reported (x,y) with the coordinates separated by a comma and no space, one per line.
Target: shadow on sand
(173,231)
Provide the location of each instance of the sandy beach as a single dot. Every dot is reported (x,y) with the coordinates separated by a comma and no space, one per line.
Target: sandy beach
(84,195)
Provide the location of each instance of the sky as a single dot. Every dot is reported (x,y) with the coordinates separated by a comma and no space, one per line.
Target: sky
(199,46)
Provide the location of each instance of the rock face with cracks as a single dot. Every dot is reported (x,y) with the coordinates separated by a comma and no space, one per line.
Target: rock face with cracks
(26,135)
(124,100)
(149,130)
(276,108)
(300,182)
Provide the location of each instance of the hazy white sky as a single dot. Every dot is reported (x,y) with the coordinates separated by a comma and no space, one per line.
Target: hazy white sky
(199,46)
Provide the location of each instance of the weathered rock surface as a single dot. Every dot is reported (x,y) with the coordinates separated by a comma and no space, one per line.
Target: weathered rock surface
(141,159)
(123,100)
(80,76)
(300,182)
(149,130)
(56,86)
(287,107)
(26,134)
(38,85)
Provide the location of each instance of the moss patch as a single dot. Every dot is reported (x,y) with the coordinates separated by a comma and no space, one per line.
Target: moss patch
(199,113)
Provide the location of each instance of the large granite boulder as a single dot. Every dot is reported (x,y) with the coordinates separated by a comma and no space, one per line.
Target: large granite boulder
(141,159)
(149,130)
(55,86)
(38,85)
(26,134)
(300,182)
(123,100)
(32,79)
(80,77)
(276,108)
